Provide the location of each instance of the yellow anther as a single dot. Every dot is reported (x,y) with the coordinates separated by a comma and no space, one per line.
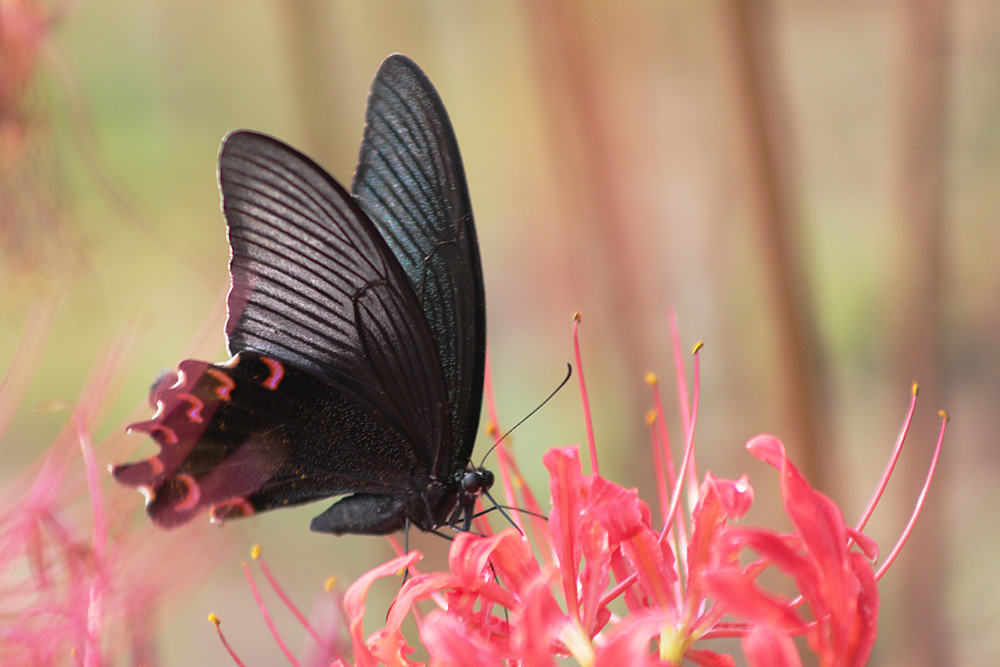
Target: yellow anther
(330,584)
(651,379)
(697,346)
(214,619)
(255,552)
(650,417)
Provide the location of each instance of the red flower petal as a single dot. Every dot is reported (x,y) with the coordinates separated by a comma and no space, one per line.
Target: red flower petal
(629,642)
(595,574)
(739,594)
(450,643)
(508,552)
(390,649)
(766,646)
(537,624)
(416,588)
(566,484)
(618,509)
(735,496)
(817,518)
(354,603)
(719,500)
(653,563)
(514,561)
(838,585)
(865,630)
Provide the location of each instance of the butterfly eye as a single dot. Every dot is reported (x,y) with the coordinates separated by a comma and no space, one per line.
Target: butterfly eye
(477,481)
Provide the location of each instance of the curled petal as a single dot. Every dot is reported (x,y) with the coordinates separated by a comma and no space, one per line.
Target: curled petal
(867,545)
(735,496)
(469,557)
(354,603)
(719,500)
(782,551)
(390,649)
(416,588)
(508,552)
(768,449)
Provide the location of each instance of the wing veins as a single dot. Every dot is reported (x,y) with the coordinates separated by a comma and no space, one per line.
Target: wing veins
(314,227)
(285,285)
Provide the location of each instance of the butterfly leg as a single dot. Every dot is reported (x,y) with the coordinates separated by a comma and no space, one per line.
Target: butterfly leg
(406,536)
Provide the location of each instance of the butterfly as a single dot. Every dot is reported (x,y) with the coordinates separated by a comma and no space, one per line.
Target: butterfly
(357,329)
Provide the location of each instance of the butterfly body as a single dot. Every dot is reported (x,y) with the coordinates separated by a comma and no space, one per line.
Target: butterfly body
(357,329)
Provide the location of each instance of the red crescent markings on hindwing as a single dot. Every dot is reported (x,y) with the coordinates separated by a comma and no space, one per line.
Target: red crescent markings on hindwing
(277,372)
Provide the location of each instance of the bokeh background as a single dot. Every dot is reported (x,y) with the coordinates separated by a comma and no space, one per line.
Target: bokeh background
(812,186)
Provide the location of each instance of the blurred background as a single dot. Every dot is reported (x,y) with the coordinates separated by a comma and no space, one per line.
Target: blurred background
(812,186)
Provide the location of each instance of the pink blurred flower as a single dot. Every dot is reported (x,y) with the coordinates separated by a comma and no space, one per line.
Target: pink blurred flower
(551,590)
(24,26)
(79,583)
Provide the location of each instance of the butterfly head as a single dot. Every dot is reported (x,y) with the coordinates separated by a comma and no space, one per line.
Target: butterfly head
(477,481)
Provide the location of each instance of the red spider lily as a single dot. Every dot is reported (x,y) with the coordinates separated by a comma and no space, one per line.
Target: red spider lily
(508,600)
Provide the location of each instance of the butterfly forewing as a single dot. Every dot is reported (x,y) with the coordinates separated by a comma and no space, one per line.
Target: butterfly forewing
(411,183)
(314,285)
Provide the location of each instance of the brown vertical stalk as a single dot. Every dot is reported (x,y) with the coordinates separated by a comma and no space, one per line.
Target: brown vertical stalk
(918,637)
(316,77)
(590,168)
(761,111)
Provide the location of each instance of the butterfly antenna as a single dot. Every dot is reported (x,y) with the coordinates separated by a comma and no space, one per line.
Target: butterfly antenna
(537,515)
(569,374)
(504,514)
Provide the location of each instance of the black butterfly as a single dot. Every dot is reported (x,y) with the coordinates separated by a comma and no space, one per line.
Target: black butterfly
(357,326)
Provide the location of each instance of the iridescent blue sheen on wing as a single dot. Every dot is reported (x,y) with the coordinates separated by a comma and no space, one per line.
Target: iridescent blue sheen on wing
(411,183)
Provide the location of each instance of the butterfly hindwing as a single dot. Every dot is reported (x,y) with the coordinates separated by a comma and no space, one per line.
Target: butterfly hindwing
(253,434)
